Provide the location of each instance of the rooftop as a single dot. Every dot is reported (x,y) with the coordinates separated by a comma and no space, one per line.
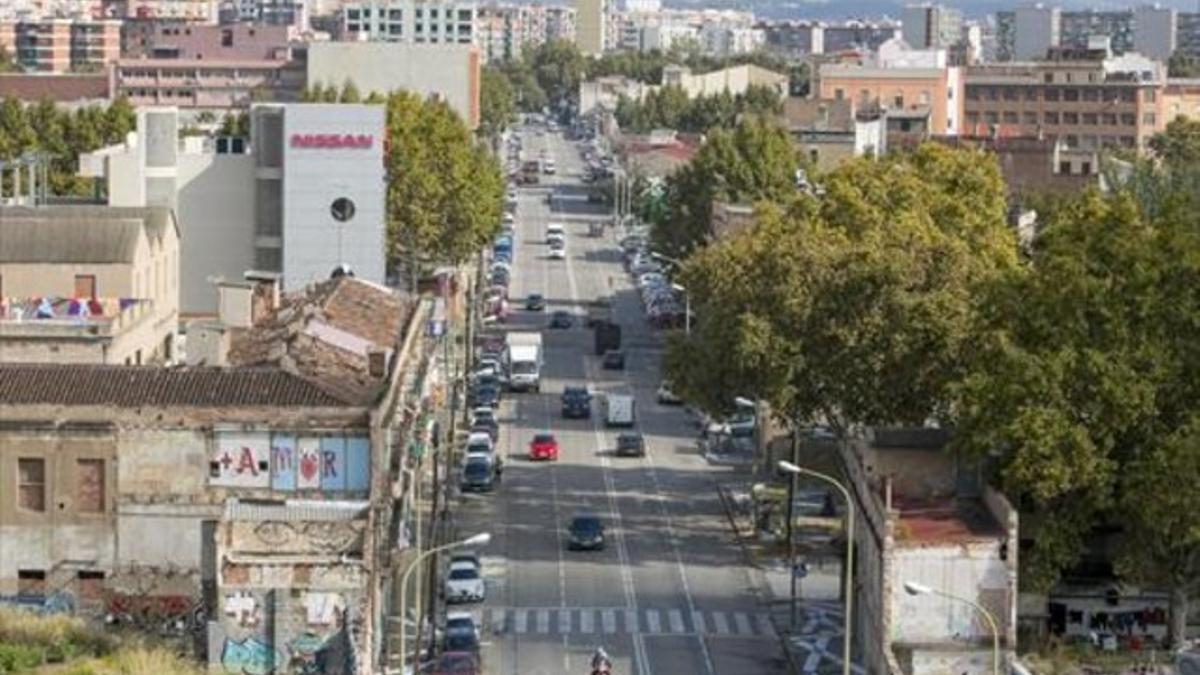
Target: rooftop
(95,234)
(944,521)
(151,386)
(58,88)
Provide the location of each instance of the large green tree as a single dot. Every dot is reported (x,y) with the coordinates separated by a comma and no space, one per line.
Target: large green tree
(849,319)
(497,102)
(752,162)
(1179,144)
(445,194)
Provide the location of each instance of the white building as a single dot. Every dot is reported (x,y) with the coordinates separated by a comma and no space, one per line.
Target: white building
(720,40)
(409,21)
(1154,31)
(591,26)
(1036,29)
(306,198)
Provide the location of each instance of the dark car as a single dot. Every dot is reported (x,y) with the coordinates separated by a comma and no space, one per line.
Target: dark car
(631,445)
(576,402)
(478,475)
(560,319)
(614,359)
(485,395)
(490,428)
(586,532)
(536,302)
(457,663)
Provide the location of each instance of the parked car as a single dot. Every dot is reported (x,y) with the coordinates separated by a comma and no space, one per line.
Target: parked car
(485,395)
(482,445)
(586,532)
(464,583)
(457,663)
(478,475)
(666,396)
(535,302)
(631,444)
(543,446)
(614,359)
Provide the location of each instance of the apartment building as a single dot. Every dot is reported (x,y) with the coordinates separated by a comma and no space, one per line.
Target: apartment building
(202,11)
(591,26)
(62,45)
(1086,99)
(191,41)
(502,31)
(1080,26)
(408,21)
(88,284)
(213,85)
(932,26)
(900,80)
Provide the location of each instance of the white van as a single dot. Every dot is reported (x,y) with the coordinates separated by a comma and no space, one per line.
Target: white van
(619,410)
(555,231)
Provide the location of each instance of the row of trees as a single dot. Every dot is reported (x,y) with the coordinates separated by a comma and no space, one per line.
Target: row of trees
(63,135)
(900,297)
(670,108)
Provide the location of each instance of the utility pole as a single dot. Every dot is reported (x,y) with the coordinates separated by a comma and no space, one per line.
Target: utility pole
(791,520)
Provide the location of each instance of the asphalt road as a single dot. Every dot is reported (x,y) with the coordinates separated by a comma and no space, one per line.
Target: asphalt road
(670,594)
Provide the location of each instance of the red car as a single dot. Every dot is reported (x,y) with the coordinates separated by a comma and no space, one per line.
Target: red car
(457,663)
(543,446)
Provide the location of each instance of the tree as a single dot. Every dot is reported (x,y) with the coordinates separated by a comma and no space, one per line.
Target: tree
(375,98)
(7,63)
(497,102)
(235,124)
(206,117)
(558,66)
(1181,64)
(1179,143)
(751,162)
(844,320)
(349,93)
(329,94)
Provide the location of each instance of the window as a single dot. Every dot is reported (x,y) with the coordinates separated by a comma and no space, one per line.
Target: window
(89,584)
(226,38)
(1091,118)
(1031,93)
(1128,96)
(1010,93)
(1048,78)
(1090,95)
(1071,140)
(31,583)
(1128,119)
(1085,168)
(1108,118)
(838,94)
(898,100)
(972,118)
(1149,96)
(1064,168)
(1050,95)
(972,93)
(1149,119)
(85,285)
(89,485)
(814,155)
(1070,118)
(31,485)
(1010,117)
(991,117)
(1030,118)
(923,99)
(1070,95)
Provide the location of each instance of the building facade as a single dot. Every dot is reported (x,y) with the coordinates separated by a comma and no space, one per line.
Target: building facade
(62,45)
(1079,26)
(191,41)
(308,198)
(1154,31)
(1089,103)
(449,72)
(1037,30)
(213,85)
(88,284)
(591,26)
(409,21)
(932,26)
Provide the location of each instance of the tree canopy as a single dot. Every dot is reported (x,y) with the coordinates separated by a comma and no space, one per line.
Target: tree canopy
(497,102)
(1179,144)
(669,107)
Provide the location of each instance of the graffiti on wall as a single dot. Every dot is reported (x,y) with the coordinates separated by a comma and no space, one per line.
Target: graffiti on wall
(288,463)
(165,614)
(55,603)
(249,656)
(242,608)
(317,536)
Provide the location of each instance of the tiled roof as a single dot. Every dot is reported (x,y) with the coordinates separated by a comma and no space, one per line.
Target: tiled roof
(150,386)
(78,234)
(57,88)
(296,510)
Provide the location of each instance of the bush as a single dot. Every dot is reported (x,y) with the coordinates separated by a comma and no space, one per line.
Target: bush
(15,658)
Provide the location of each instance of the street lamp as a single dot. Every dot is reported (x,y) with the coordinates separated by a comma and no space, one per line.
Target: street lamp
(480,539)
(795,471)
(687,307)
(914,588)
(665,258)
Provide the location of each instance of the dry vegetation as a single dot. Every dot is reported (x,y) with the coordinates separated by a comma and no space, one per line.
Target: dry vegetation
(66,645)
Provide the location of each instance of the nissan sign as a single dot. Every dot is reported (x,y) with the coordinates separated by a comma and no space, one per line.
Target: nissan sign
(333,141)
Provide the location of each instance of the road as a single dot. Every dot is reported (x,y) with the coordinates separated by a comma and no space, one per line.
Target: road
(670,594)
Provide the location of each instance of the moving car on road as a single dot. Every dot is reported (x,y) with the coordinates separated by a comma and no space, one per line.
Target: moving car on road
(586,532)
(535,302)
(560,319)
(478,474)
(614,359)
(576,402)
(543,446)
(631,444)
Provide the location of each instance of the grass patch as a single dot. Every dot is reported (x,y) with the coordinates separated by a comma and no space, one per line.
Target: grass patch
(66,645)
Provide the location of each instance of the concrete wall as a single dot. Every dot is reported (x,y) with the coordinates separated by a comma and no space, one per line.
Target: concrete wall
(447,71)
(973,571)
(916,473)
(216,223)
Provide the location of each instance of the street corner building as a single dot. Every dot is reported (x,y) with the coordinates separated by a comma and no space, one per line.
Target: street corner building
(246,503)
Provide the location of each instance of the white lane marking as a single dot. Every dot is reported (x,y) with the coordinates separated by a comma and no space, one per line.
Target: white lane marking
(675,618)
(639,651)
(698,622)
(543,621)
(564,621)
(585,620)
(743,623)
(653,624)
(521,622)
(720,623)
(631,621)
(764,625)
(609,618)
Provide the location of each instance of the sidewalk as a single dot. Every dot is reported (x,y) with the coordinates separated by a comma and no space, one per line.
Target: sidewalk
(816,645)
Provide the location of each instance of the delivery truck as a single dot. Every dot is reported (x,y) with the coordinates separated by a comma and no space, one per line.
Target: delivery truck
(524,361)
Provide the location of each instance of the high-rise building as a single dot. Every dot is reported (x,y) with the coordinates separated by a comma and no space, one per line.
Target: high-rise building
(931,26)
(409,21)
(62,45)
(1154,31)
(503,30)
(1078,27)
(1187,33)
(1035,30)
(591,26)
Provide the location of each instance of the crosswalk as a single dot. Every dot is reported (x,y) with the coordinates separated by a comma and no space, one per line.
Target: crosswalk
(617,620)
